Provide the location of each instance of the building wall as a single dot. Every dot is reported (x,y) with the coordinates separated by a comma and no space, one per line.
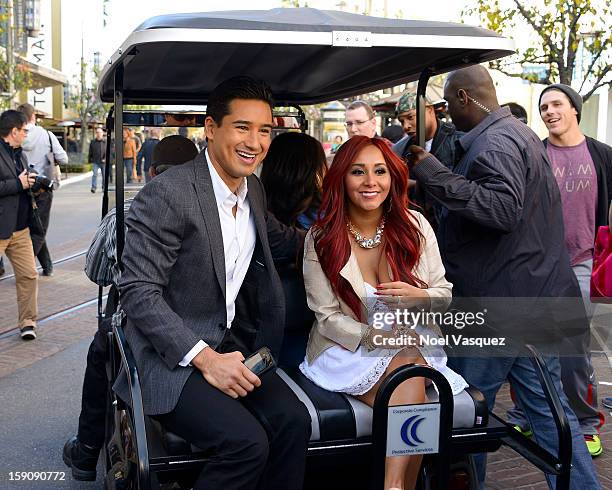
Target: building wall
(609,118)
(589,117)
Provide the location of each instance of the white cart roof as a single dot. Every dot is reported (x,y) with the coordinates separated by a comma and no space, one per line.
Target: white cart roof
(306,55)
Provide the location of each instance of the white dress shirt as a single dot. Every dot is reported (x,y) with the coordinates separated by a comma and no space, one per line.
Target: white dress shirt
(239,237)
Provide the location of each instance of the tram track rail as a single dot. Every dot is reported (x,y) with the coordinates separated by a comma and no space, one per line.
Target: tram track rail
(55,316)
(55,262)
(60,310)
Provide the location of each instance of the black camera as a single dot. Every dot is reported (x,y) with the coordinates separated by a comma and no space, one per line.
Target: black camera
(41,182)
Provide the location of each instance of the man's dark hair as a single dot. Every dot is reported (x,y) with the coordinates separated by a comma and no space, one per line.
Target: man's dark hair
(172,150)
(241,87)
(27,109)
(292,174)
(517,111)
(11,119)
(393,132)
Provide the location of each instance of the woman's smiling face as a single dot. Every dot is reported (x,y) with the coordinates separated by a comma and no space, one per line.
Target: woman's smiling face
(368,180)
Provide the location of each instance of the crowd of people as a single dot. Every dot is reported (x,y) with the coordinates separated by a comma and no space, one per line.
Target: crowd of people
(484,211)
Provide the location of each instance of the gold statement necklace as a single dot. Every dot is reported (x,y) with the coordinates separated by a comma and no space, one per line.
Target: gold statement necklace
(364,242)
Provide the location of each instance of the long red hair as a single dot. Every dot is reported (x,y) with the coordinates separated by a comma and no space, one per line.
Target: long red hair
(402,238)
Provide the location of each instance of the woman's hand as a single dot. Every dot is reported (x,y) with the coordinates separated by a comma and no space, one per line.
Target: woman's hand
(400,294)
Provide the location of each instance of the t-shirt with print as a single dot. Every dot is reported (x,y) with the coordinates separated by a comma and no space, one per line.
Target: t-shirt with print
(576,176)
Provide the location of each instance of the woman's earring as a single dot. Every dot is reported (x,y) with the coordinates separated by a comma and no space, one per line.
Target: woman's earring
(389,206)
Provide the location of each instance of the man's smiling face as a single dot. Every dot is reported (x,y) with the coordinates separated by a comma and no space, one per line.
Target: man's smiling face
(558,113)
(240,141)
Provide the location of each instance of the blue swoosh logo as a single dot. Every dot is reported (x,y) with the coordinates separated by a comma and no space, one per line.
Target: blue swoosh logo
(409,429)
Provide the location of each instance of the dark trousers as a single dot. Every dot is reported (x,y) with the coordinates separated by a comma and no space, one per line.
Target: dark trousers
(256,442)
(95,383)
(43,201)
(95,391)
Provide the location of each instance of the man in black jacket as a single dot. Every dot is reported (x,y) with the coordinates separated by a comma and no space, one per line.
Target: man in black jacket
(501,241)
(146,151)
(97,158)
(15,208)
(583,169)
(440,139)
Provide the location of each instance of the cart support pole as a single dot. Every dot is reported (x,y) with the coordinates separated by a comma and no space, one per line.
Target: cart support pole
(108,165)
(419,193)
(421,87)
(564,433)
(381,416)
(119,161)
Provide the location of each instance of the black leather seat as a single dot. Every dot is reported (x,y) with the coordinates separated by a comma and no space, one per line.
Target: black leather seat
(338,417)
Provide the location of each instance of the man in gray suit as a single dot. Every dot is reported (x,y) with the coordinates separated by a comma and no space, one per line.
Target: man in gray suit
(201,293)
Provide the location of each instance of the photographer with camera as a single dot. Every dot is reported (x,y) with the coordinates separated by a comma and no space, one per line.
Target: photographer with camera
(44,153)
(15,213)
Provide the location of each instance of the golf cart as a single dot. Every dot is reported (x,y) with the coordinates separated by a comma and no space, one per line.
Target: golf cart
(307,56)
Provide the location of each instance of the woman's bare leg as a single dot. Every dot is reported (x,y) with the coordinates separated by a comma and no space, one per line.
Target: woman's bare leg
(401,472)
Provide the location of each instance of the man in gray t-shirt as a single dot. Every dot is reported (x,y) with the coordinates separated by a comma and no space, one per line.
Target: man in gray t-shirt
(583,169)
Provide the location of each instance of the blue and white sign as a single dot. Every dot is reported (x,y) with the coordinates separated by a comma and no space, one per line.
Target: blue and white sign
(413,429)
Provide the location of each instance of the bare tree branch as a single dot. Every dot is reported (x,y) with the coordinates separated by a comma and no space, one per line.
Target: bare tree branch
(598,82)
(607,43)
(527,16)
(523,76)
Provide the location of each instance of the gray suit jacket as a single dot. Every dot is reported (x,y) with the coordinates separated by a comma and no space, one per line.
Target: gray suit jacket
(173,285)
(10,190)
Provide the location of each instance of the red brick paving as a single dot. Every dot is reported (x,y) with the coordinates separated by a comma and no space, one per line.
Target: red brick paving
(507,470)
(67,287)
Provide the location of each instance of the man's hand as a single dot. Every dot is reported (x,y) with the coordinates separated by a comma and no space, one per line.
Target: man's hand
(226,372)
(418,154)
(27,179)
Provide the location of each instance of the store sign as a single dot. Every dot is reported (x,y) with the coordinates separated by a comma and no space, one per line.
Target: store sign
(39,52)
(413,429)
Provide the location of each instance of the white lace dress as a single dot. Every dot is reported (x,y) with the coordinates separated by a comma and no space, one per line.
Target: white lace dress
(354,373)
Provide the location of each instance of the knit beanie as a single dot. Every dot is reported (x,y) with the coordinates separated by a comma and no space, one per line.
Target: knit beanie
(572,95)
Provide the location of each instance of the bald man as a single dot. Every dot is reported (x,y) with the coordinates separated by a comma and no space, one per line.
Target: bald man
(501,236)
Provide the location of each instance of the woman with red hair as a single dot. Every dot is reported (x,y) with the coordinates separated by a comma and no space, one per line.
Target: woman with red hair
(368,254)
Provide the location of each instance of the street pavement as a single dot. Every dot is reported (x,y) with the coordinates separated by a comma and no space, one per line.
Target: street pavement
(40,408)
(40,381)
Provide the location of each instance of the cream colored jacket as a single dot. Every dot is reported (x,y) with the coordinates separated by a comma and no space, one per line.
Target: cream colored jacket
(335,322)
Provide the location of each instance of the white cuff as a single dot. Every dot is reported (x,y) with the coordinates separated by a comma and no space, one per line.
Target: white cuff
(199,347)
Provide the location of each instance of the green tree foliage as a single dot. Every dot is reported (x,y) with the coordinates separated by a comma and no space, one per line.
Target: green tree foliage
(574,39)
(83,100)
(22,78)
